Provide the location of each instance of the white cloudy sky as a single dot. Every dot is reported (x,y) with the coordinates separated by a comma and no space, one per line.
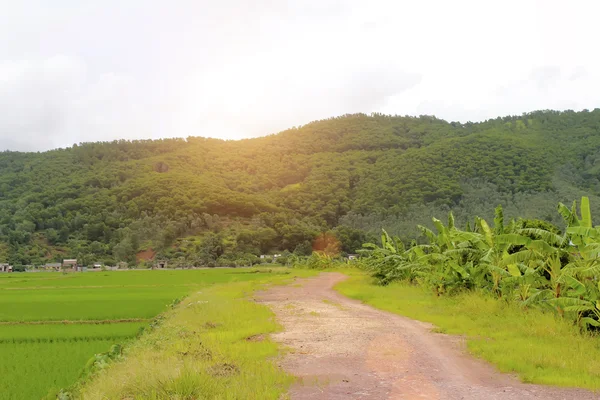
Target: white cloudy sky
(81,70)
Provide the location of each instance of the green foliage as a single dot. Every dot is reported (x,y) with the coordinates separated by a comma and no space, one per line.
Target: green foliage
(351,239)
(109,201)
(526,261)
(316,261)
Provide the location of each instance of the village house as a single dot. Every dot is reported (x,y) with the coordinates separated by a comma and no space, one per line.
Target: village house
(352,256)
(6,268)
(80,268)
(52,266)
(160,264)
(270,257)
(70,263)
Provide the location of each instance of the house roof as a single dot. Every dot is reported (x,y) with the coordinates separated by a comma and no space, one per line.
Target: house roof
(53,265)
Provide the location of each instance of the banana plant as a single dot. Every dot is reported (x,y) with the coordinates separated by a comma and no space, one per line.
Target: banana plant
(582,300)
(493,245)
(388,261)
(450,256)
(535,266)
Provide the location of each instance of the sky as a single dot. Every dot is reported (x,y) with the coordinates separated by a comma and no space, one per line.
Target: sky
(76,71)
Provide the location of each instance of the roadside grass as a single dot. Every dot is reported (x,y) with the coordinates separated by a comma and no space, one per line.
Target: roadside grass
(206,348)
(537,346)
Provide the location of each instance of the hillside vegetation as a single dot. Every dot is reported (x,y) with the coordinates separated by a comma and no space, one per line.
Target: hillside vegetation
(211,202)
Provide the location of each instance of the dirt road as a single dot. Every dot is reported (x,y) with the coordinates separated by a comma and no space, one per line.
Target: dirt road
(342,349)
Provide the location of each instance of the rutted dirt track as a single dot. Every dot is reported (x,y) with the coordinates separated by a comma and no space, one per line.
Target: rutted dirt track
(342,349)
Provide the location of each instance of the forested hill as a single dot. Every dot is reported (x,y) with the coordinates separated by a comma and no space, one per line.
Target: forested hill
(201,200)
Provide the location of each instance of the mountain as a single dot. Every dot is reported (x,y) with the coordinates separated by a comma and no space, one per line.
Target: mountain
(203,200)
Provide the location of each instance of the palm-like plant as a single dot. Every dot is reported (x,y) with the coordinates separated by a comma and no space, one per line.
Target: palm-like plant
(388,262)
(536,266)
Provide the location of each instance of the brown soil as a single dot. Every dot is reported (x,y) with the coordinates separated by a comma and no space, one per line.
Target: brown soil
(256,338)
(145,255)
(343,349)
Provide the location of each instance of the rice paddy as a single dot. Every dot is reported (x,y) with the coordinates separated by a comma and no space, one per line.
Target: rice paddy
(51,324)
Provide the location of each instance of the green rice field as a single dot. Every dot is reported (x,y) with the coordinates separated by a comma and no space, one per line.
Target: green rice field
(51,323)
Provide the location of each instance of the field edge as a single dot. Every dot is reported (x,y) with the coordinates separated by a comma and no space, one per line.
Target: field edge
(214,344)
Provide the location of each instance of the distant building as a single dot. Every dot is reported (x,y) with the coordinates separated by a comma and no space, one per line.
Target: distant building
(70,263)
(6,268)
(52,266)
(160,264)
(352,256)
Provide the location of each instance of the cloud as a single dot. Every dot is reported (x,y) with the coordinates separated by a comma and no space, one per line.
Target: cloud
(233,69)
(547,87)
(540,88)
(370,89)
(271,92)
(578,72)
(545,77)
(53,103)
(35,100)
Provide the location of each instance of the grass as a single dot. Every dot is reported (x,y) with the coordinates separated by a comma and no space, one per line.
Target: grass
(47,329)
(129,278)
(109,295)
(30,370)
(86,304)
(205,349)
(69,331)
(537,346)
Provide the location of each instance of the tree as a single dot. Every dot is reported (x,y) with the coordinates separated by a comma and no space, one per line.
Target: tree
(210,249)
(124,251)
(350,239)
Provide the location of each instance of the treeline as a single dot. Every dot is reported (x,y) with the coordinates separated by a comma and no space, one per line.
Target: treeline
(526,261)
(110,201)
